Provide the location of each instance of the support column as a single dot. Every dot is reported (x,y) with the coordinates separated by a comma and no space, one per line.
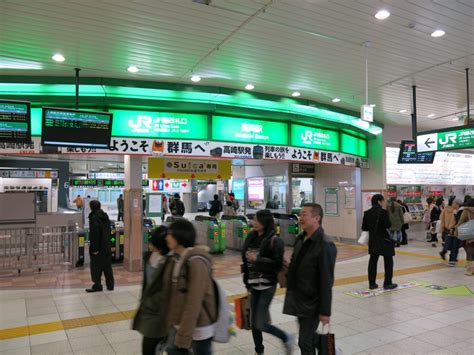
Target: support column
(133,214)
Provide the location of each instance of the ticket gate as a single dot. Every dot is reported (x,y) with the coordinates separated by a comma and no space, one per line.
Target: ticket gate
(237,230)
(82,236)
(117,242)
(287,227)
(211,232)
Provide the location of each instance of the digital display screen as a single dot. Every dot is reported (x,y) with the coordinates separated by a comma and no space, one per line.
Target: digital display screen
(72,128)
(256,189)
(121,183)
(408,154)
(15,121)
(83,182)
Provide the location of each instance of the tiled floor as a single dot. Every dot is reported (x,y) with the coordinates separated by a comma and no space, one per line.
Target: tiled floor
(410,321)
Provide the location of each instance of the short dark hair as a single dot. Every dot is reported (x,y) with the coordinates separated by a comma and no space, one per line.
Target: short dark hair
(470,202)
(183,232)
(439,201)
(466,198)
(216,197)
(376,199)
(265,218)
(95,205)
(429,200)
(316,210)
(158,239)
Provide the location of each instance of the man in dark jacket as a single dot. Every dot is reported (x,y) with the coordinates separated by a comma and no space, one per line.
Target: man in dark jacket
(310,277)
(216,206)
(177,206)
(376,221)
(99,248)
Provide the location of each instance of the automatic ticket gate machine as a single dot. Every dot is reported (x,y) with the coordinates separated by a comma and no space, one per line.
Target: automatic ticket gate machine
(287,226)
(237,230)
(117,241)
(211,232)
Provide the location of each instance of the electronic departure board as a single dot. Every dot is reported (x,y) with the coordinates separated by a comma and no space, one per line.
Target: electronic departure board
(15,121)
(408,154)
(72,128)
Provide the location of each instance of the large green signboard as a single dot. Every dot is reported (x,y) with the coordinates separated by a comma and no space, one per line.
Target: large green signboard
(315,138)
(456,138)
(147,124)
(233,129)
(353,145)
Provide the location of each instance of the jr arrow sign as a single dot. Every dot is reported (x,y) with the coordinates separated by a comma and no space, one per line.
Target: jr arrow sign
(447,139)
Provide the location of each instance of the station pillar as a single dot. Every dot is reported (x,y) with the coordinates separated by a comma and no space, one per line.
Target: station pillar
(133,213)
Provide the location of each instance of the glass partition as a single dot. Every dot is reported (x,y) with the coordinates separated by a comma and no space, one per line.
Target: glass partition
(301,191)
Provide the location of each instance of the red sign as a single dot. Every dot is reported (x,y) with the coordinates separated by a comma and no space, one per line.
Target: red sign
(154,185)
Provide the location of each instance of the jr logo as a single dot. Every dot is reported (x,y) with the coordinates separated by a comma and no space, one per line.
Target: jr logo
(143,124)
(450,137)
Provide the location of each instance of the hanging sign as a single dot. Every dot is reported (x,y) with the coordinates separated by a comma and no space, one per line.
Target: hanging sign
(160,168)
(454,138)
(367,113)
(21,148)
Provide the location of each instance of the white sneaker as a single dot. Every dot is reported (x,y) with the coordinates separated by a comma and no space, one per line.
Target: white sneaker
(289,344)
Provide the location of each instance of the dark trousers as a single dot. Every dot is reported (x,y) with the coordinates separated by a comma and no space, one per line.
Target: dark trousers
(452,244)
(388,265)
(120,216)
(259,309)
(101,264)
(198,347)
(404,236)
(307,335)
(149,345)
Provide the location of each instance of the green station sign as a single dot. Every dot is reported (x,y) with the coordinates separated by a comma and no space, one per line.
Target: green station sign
(455,138)
(149,124)
(315,138)
(353,145)
(234,129)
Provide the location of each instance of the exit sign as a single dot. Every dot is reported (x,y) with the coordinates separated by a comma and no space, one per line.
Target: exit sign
(367,113)
(446,139)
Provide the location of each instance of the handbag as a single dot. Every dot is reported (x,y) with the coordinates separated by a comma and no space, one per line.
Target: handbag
(466,230)
(325,341)
(364,238)
(407,218)
(242,312)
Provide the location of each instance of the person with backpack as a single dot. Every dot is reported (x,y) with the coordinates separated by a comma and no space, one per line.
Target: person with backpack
(192,308)
(395,213)
(177,206)
(100,248)
(434,218)
(216,207)
(150,319)
(262,257)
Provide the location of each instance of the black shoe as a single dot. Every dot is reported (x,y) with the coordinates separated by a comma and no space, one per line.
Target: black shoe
(442,254)
(110,288)
(373,287)
(390,287)
(90,290)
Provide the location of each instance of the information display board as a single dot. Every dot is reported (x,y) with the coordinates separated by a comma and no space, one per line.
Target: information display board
(72,128)
(312,137)
(234,129)
(15,121)
(408,154)
(150,124)
(446,139)
(256,189)
(83,182)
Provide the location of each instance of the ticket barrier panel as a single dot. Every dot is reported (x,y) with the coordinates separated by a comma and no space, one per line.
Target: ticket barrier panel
(287,227)
(82,236)
(211,232)
(148,226)
(237,230)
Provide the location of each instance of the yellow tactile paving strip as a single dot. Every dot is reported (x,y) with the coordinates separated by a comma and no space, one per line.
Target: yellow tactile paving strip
(41,328)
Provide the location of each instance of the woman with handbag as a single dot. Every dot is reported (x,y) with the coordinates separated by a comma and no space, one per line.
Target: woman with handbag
(262,257)
(376,221)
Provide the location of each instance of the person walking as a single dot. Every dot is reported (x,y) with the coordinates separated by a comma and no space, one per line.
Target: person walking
(151,317)
(427,217)
(120,208)
(434,218)
(376,221)
(166,209)
(448,228)
(405,226)
(229,209)
(177,206)
(235,203)
(395,213)
(100,248)
(468,245)
(216,207)
(193,308)
(79,202)
(310,278)
(262,257)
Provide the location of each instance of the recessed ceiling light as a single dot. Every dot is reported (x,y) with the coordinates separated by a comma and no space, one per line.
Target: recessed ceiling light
(58,57)
(336,99)
(249,87)
(296,94)
(403,111)
(382,15)
(438,33)
(455,119)
(431,115)
(195,78)
(372,105)
(133,69)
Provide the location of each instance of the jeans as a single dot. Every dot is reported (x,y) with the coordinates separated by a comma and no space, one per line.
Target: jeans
(259,308)
(199,347)
(396,236)
(452,244)
(388,265)
(307,335)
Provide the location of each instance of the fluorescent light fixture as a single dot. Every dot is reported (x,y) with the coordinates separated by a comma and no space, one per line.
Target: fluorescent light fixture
(455,119)
(372,105)
(403,111)
(382,15)
(438,33)
(431,115)
(195,78)
(133,69)
(7,63)
(296,94)
(58,57)
(249,87)
(336,99)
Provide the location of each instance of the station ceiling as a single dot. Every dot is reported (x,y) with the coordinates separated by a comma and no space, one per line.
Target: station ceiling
(314,47)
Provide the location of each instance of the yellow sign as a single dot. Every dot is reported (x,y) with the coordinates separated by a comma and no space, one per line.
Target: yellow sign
(170,168)
(122,239)
(81,242)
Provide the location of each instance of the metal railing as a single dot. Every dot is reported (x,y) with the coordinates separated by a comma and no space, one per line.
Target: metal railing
(35,248)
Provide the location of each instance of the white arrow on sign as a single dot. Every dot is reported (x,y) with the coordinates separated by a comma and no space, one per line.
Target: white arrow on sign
(427,142)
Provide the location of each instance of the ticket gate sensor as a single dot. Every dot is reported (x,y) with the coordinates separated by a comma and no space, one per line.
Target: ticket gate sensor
(287,227)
